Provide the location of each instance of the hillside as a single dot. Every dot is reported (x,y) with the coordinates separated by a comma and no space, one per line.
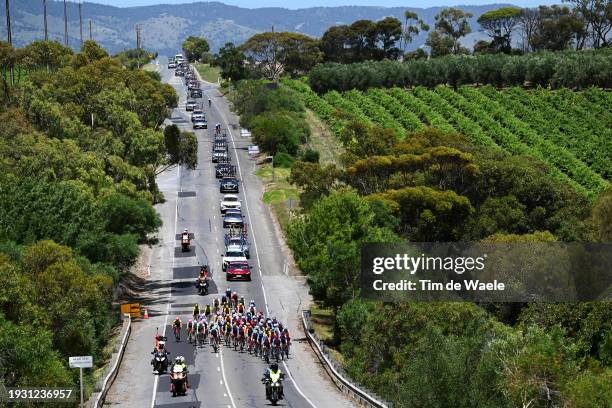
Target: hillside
(165,26)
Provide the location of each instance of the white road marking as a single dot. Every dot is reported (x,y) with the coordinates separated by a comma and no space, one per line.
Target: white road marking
(246,204)
(225,380)
(298,388)
(156,381)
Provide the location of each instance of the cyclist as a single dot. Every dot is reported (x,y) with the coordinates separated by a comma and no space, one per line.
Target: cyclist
(201,331)
(177,328)
(265,345)
(190,330)
(276,343)
(209,102)
(214,334)
(207,311)
(196,311)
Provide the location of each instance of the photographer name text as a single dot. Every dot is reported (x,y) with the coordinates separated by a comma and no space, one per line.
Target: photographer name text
(430,286)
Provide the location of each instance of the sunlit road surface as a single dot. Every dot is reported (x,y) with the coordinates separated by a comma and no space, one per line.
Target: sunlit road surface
(228,378)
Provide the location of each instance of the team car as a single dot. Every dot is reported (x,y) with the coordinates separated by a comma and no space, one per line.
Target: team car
(238,270)
(230,202)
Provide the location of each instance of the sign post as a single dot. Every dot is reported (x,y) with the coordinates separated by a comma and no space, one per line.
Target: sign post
(81,362)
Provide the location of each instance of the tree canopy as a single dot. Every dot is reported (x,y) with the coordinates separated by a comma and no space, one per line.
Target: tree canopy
(272,53)
(195,48)
(499,25)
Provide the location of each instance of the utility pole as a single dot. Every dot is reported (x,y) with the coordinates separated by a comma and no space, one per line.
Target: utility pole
(9,36)
(65,24)
(45,17)
(137,36)
(81,20)
(90,30)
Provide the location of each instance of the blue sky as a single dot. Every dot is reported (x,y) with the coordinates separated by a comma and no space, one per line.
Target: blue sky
(293,4)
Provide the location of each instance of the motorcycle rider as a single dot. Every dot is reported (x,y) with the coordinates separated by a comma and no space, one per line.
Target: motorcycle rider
(179,365)
(160,347)
(204,272)
(273,373)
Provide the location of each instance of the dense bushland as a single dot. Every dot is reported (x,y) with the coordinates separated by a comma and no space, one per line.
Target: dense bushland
(80,145)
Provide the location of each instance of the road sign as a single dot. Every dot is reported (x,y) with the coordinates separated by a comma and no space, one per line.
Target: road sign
(132,308)
(80,362)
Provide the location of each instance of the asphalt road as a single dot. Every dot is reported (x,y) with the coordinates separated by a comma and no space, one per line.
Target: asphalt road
(228,378)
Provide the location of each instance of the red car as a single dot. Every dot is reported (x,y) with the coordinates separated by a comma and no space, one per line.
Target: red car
(238,270)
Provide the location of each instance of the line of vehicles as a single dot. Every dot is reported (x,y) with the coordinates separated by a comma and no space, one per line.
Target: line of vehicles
(230,317)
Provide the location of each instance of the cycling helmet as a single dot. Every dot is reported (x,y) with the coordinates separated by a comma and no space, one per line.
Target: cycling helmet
(185,230)
(190,321)
(274,366)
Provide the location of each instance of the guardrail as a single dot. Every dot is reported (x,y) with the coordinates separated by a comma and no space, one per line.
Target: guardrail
(103,385)
(336,372)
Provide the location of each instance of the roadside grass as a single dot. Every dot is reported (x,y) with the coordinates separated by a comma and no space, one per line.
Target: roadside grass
(277,193)
(208,73)
(106,354)
(322,140)
(323,320)
(149,67)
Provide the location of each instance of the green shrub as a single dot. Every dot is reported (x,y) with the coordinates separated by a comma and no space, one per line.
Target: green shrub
(283,160)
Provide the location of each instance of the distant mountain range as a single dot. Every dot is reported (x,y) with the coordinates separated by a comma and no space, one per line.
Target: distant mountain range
(164,27)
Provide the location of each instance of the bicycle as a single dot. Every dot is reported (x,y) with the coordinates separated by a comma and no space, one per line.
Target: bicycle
(201,338)
(285,349)
(177,333)
(190,335)
(276,353)
(214,341)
